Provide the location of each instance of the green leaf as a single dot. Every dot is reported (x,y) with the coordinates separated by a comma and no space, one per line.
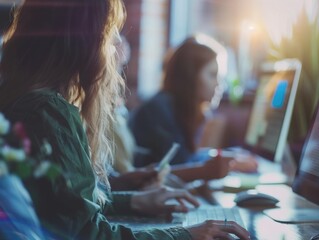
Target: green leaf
(304,45)
(53,172)
(22,169)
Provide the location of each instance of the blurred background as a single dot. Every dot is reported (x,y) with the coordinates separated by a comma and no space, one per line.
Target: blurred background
(252,31)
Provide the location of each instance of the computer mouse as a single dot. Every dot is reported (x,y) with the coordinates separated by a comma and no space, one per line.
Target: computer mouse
(253,198)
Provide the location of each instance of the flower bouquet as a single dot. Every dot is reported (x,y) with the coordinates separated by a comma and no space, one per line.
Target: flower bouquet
(17,217)
(16,157)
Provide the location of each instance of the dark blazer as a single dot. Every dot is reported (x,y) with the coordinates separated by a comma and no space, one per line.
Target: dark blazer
(155,128)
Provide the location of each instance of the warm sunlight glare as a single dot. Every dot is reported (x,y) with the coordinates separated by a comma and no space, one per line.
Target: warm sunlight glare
(279,16)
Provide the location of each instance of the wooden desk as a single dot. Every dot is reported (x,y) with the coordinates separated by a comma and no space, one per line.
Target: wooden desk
(261,226)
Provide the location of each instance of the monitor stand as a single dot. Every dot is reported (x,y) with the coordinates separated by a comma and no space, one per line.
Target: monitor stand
(288,165)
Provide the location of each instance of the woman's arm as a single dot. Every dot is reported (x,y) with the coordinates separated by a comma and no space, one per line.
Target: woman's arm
(214,168)
(66,209)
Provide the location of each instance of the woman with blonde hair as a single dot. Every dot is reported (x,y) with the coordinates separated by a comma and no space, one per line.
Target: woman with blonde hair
(58,76)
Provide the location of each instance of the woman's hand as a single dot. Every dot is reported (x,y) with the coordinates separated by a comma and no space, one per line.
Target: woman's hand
(217,167)
(145,178)
(244,163)
(134,180)
(154,202)
(160,179)
(211,229)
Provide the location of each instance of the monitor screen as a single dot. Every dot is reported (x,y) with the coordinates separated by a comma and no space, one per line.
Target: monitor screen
(272,109)
(306,182)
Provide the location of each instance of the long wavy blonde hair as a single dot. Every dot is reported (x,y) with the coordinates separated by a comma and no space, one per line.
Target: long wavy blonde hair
(67,46)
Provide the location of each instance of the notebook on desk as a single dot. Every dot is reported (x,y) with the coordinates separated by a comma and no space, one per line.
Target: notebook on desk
(306,183)
(269,121)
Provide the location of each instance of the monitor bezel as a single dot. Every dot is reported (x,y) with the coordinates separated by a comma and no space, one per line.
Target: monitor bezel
(304,177)
(271,68)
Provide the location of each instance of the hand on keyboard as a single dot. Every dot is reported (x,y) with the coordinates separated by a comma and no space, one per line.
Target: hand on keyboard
(212,229)
(154,202)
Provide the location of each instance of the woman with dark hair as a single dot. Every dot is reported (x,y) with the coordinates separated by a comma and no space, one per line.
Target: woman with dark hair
(177,112)
(191,79)
(191,88)
(58,76)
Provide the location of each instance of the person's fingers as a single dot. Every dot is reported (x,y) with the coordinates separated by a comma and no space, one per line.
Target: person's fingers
(229,227)
(180,201)
(233,227)
(146,175)
(181,194)
(151,174)
(218,234)
(150,167)
(164,172)
(191,199)
(181,207)
(170,208)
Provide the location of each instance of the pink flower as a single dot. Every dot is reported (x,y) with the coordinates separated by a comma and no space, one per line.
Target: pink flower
(27,145)
(20,131)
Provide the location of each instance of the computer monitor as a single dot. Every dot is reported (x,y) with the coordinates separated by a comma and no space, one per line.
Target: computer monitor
(306,182)
(272,108)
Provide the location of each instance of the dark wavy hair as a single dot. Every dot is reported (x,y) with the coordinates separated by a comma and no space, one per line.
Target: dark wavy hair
(66,45)
(181,80)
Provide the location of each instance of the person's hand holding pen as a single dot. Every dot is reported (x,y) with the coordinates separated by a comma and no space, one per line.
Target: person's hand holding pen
(163,168)
(244,163)
(218,166)
(145,178)
(239,162)
(133,180)
(223,161)
(158,180)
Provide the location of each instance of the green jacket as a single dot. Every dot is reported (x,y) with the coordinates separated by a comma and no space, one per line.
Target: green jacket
(71,212)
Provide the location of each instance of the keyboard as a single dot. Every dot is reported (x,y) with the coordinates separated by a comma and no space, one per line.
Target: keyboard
(213,213)
(180,219)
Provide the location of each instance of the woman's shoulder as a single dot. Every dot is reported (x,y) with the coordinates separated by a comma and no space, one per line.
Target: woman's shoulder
(157,110)
(161,97)
(160,102)
(37,101)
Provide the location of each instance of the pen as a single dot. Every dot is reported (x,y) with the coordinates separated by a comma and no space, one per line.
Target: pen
(168,156)
(223,153)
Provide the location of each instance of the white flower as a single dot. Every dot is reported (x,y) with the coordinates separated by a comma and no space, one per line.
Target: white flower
(4,125)
(3,169)
(47,149)
(13,154)
(42,169)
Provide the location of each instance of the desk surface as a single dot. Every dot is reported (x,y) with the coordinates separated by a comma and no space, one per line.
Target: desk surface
(259,225)
(262,227)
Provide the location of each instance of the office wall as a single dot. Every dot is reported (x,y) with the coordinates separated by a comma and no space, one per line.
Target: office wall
(146,30)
